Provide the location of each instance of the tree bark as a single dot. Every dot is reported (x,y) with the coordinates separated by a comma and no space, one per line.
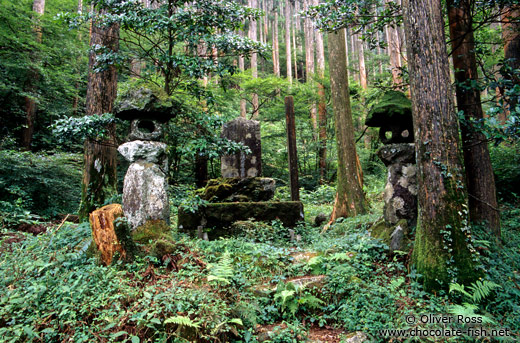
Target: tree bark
(394,53)
(288,40)
(241,67)
(309,63)
(100,161)
(362,67)
(483,206)
(511,38)
(30,103)
(254,59)
(441,253)
(350,199)
(322,104)
(276,46)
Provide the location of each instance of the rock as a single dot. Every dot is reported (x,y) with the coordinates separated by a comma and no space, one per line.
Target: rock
(400,194)
(145,129)
(243,165)
(356,337)
(299,257)
(145,194)
(236,189)
(103,232)
(146,151)
(395,236)
(320,219)
(219,217)
(317,281)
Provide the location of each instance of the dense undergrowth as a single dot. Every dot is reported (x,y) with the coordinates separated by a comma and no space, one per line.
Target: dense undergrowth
(222,290)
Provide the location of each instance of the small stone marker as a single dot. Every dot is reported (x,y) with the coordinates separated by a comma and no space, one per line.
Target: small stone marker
(243,165)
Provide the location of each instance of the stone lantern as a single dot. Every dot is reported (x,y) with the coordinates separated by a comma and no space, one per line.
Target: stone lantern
(145,195)
(393,115)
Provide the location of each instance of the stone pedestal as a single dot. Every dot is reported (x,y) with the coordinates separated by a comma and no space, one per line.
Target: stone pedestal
(401,185)
(145,187)
(243,165)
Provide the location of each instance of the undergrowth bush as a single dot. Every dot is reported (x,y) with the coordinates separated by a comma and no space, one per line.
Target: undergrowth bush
(39,183)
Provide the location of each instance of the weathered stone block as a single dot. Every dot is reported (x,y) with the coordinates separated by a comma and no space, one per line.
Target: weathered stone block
(395,236)
(400,194)
(249,189)
(147,151)
(145,194)
(219,217)
(243,165)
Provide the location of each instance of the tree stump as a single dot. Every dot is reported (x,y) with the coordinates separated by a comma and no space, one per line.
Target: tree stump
(104,234)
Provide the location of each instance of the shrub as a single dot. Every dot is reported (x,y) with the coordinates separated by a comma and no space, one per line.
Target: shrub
(38,183)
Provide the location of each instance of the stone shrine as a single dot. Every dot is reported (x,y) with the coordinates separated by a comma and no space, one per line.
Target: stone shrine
(145,195)
(393,114)
(241,194)
(243,165)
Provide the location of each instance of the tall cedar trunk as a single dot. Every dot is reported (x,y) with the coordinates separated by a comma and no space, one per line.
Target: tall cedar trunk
(241,67)
(288,40)
(75,102)
(266,22)
(309,62)
(392,37)
(362,67)
(276,46)
(322,104)
(32,80)
(294,54)
(440,251)
(511,38)
(350,199)
(254,59)
(99,174)
(479,172)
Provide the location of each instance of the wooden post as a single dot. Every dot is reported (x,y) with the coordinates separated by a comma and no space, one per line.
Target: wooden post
(291,148)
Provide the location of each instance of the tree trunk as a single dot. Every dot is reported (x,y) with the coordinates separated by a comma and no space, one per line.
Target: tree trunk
(440,252)
(350,199)
(483,204)
(322,104)
(276,46)
(241,67)
(254,59)
(309,63)
(99,174)
(288,40)
(32,80)
(362,67)
(392,38)
(511,38)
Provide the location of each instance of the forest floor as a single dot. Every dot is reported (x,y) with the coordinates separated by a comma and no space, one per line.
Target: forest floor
(339,286)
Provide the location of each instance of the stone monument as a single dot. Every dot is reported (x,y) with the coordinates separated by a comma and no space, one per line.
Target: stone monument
(393,114)
(145,187)
(243,165)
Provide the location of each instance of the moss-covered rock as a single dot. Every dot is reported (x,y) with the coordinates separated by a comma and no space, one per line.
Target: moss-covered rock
(154,238)
(219,217)
(250,189)
(397,236)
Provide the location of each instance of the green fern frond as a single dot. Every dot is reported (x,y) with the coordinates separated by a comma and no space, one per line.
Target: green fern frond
(223,271)
(183,321)
(482,289)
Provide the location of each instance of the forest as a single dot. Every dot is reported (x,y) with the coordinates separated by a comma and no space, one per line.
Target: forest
(259,171)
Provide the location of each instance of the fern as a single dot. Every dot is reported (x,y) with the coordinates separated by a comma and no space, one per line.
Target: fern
(223,271)
(476,292)
(479,290)
(182,321)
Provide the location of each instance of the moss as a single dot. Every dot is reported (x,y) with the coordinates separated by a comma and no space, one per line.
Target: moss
(154,238)
(221,216)
(384,232)
(393,106)
(238,189)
